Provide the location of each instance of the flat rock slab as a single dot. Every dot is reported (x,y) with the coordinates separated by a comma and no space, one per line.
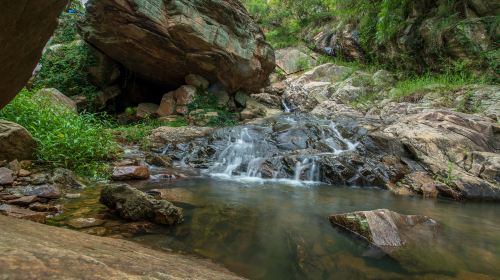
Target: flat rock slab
(36,251)
(385,228)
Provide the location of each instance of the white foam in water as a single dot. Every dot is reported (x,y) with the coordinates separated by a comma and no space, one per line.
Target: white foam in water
(286,109)
(247,154)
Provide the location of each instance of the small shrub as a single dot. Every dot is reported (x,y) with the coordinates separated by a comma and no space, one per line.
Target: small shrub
(76,141)
(207,102)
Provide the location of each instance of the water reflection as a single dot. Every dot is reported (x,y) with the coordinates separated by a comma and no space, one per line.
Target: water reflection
(281,231)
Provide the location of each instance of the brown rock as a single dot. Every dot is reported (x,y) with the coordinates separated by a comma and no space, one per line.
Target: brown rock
(6,176)
(24,201)
(184,95)
(167,105)
(41,207)
(23,173)
(165,43)
(21,213)
(166,135)
(15,141)
(130,173)
(159,160)
(106,258)
(21,45)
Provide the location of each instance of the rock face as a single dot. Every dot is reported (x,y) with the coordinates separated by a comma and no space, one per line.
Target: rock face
(132,204)
(292,60)
(385,228)
(462,149)
(35,251)
(15,142)
(27,26)
(163,41)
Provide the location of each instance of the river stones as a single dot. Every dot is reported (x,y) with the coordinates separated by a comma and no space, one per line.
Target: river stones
(42,191)
(132,204)
(122,173)
(81,223)
(385,229)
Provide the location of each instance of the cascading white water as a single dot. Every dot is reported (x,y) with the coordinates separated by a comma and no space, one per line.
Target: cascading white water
(286,108)
(244,156)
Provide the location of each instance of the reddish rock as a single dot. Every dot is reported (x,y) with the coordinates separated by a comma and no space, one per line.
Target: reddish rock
(22,213)
(40,207)
(121,173)
(167,105)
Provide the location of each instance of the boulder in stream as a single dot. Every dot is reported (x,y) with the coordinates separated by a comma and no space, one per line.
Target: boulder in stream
(132,204)
(385,228)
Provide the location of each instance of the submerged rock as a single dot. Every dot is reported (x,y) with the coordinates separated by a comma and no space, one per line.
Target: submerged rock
(164,41)
(385,228)
(132,204)
(47,252)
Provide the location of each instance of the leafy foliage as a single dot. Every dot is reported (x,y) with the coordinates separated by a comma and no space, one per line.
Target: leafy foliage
(205,102)
(79,142)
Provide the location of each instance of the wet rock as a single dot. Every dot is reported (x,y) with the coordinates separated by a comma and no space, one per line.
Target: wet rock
(134,228)
(197,81)
(421,183)
(386,229)
(24,201)
(122,173)
(57,98)
(146,110)
(42,191)
(6,176)
(65,178)
(80,223)
(268,99)
(97,231)
(132,204)
(15,142)
(22,213)
(159,160)
(42,207)
(164,43)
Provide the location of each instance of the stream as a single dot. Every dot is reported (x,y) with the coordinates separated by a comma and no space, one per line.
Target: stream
(276,230)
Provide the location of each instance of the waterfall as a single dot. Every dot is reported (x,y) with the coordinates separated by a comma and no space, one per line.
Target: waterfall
(258,153)
(286,108)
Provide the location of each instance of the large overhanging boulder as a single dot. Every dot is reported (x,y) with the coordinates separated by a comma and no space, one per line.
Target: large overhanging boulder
(26,27)
(164,40)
